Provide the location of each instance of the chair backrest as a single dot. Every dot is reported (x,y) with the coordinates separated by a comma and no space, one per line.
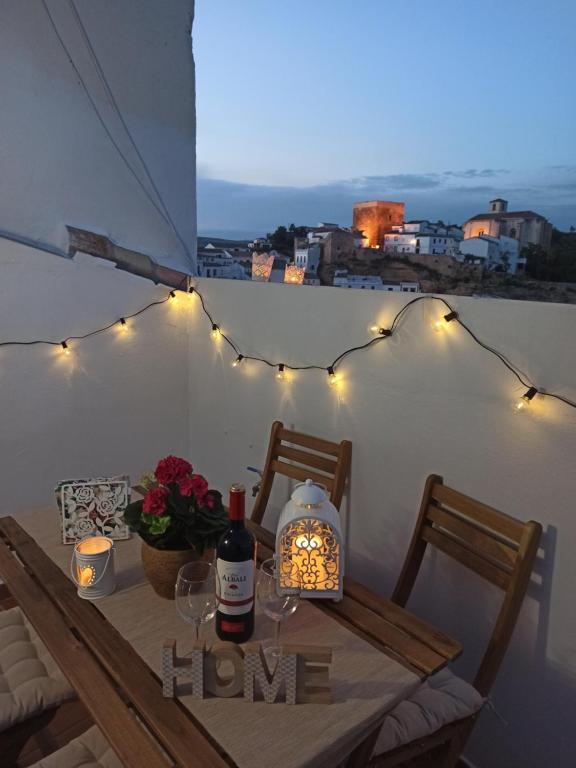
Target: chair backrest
(496,546)
(311,457)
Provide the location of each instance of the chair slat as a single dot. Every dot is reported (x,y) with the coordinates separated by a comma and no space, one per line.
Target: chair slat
(299,473)
(476,538)
(467,557)
(308,459)
(407,647)
(504,524)
(408,622)
(309,441)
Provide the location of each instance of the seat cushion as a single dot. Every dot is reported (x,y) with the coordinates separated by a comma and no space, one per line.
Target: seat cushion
(30,680)
(90,750)
(441,699)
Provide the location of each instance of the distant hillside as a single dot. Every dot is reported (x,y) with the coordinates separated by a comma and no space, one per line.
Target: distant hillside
(221,242)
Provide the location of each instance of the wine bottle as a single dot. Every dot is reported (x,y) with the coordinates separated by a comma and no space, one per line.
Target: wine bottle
(235,566)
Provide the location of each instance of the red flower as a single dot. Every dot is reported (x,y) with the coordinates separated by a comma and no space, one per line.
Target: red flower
(172,470)
(195,485)
(155,501)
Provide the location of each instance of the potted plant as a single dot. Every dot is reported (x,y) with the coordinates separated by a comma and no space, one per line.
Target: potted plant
(179,519)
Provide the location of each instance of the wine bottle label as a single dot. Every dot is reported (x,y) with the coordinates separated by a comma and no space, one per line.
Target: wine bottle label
(235,587)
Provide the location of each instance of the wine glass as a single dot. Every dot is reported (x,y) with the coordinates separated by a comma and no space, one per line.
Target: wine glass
(195,593)
(276,605)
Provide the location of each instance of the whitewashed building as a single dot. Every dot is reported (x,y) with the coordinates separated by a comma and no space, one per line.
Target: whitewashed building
(219,263)
(307,254)
(499,254)
(423,237)
(372,283)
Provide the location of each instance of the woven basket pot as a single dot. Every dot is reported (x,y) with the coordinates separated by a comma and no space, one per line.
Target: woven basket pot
(161,566)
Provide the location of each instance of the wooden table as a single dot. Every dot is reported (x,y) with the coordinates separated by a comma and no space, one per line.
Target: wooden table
(115,683)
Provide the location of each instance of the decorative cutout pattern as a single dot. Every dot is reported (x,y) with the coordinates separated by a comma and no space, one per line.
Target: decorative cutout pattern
(312,546)
(261,267)
(294,274)
(92,507)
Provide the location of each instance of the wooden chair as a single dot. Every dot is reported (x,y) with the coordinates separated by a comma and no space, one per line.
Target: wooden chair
(320,460)
(497,547)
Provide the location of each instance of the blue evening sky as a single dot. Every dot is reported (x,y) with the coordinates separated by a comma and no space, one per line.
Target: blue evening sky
(305,106)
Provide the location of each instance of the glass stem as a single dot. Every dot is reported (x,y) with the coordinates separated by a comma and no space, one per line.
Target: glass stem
(277,634)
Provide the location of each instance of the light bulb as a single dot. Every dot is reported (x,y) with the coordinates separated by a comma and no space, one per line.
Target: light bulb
(280,374)
(191,290)
(215,332)
(123,325)
(524,402)
(442,323)
(65,347)
(172,295)
(237,361)
(380,331)
(332,378)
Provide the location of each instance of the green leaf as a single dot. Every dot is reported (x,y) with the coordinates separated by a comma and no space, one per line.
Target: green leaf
(157,524)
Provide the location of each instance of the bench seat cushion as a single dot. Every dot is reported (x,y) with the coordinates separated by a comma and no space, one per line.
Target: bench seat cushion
(441,699)
(30,680)
(90,750)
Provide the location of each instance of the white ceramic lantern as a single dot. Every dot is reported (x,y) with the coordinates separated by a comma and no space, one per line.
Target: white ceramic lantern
(309,544)
(92,567)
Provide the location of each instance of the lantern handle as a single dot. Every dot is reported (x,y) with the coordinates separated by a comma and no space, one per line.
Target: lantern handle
(92,584)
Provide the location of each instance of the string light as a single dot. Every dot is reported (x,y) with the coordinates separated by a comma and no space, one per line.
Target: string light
(442,323)
(381,333)
(526,399)
(123,325)
(191,290)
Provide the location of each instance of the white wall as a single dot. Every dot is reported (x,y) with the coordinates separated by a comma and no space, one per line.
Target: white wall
(58,165)
(117,404)
(418,403)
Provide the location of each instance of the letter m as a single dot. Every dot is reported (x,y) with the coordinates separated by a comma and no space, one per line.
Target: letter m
(256,669)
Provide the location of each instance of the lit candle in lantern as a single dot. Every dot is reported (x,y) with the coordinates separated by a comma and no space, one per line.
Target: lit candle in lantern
(309,541)
(93,567)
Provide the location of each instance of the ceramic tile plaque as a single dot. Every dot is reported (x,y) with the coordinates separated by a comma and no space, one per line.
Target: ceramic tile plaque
(93,506)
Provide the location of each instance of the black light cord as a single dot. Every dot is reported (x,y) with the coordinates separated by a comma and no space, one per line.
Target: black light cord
(383,335)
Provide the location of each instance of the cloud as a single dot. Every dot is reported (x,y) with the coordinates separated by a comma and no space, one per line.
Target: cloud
(452,196)
(473,173)
(403,181)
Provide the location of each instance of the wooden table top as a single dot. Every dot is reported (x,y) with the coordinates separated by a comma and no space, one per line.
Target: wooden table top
(114,681)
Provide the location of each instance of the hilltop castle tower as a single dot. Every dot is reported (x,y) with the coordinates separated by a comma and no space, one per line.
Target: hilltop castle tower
(376,217)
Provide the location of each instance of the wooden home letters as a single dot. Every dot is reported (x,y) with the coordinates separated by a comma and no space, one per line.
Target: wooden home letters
(303,669)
